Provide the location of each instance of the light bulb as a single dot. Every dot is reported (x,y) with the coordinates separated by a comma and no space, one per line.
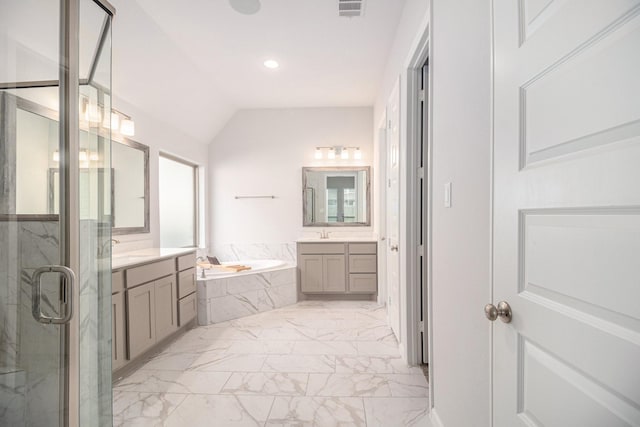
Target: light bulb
(344,155)
(332,154)
(111,122)
(94,114)
(56,156)
(83,156)
(127,127)
(357,154)
(318,154)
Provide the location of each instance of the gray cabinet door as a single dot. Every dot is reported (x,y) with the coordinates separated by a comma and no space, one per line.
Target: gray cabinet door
(334,273)
(117,331)
(141,312)
(166,306)
(311,267)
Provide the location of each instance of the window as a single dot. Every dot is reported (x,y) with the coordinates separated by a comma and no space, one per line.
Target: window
(178,202)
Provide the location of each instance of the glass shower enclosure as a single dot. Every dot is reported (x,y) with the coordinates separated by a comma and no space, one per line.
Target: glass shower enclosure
(55,212)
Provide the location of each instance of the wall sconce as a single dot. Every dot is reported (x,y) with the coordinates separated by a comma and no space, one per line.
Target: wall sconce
(338,150)
(92,113)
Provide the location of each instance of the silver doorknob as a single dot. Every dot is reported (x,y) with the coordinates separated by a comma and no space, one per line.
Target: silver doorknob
(394,248)
(503,312)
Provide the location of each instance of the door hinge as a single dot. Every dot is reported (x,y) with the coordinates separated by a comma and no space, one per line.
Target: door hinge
(389,125)
(420,173)
(420,250)
(421,326)
(389,183)
(421,96)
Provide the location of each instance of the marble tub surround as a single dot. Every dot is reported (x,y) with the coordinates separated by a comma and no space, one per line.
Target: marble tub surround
(243,251)
(316,363)
(234,296)
(141,256)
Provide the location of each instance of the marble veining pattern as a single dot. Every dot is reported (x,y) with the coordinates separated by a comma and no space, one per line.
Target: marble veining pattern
(309,364)
(229,298)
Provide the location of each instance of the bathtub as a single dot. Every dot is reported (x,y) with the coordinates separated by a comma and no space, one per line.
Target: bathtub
(224,295)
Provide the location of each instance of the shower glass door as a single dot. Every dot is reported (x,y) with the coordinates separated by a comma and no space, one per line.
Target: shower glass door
(55,213)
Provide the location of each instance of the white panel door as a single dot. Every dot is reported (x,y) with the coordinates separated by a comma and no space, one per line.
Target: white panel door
(567,212)
(393,209)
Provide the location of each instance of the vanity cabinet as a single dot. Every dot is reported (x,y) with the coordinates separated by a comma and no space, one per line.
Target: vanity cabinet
(338,268)
(150,302)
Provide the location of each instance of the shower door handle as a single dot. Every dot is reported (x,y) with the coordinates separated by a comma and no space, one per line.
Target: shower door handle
(66,289)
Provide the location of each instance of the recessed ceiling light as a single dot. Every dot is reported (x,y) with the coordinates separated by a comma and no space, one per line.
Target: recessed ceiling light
(272,64)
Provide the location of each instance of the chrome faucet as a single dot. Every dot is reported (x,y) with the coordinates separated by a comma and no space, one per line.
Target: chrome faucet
(103,249)
(324,234)
(202,259)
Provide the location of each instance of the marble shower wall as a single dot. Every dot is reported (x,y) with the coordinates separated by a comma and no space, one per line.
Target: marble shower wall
(28,368)
(29,356)
(234,297)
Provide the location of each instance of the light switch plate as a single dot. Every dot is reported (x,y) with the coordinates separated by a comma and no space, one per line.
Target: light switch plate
(447,195)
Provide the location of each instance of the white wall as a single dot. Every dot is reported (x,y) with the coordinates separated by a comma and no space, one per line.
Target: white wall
(262,152)
(160,136)
(461,73)
(412,24)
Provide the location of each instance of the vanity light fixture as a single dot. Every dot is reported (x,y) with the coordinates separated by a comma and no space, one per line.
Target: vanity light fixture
(84,156)
(338,150)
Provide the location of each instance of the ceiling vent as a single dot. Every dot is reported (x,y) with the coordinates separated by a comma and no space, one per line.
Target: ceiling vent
(350,8)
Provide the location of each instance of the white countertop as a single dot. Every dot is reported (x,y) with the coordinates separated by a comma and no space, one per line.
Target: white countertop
(336,239)
(143,256)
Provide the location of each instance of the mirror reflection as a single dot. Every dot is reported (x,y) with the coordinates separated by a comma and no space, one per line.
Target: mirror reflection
(336,196)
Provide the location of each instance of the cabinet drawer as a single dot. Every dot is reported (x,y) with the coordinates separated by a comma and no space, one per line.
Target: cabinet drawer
(117,282)
(186,282)
(186,261)
(363,283)
(363,248)
(187,309)
(321,248)
(362,264)
(147,273)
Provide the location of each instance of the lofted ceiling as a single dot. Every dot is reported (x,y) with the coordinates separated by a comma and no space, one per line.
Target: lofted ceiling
(194,63)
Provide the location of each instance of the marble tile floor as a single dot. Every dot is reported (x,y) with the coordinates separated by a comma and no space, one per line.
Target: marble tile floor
(315,363)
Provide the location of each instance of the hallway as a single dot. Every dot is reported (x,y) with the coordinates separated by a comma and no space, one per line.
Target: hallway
(314,363)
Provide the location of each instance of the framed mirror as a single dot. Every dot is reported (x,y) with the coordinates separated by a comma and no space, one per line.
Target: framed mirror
(32,133)
(336,196)
(130,163)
